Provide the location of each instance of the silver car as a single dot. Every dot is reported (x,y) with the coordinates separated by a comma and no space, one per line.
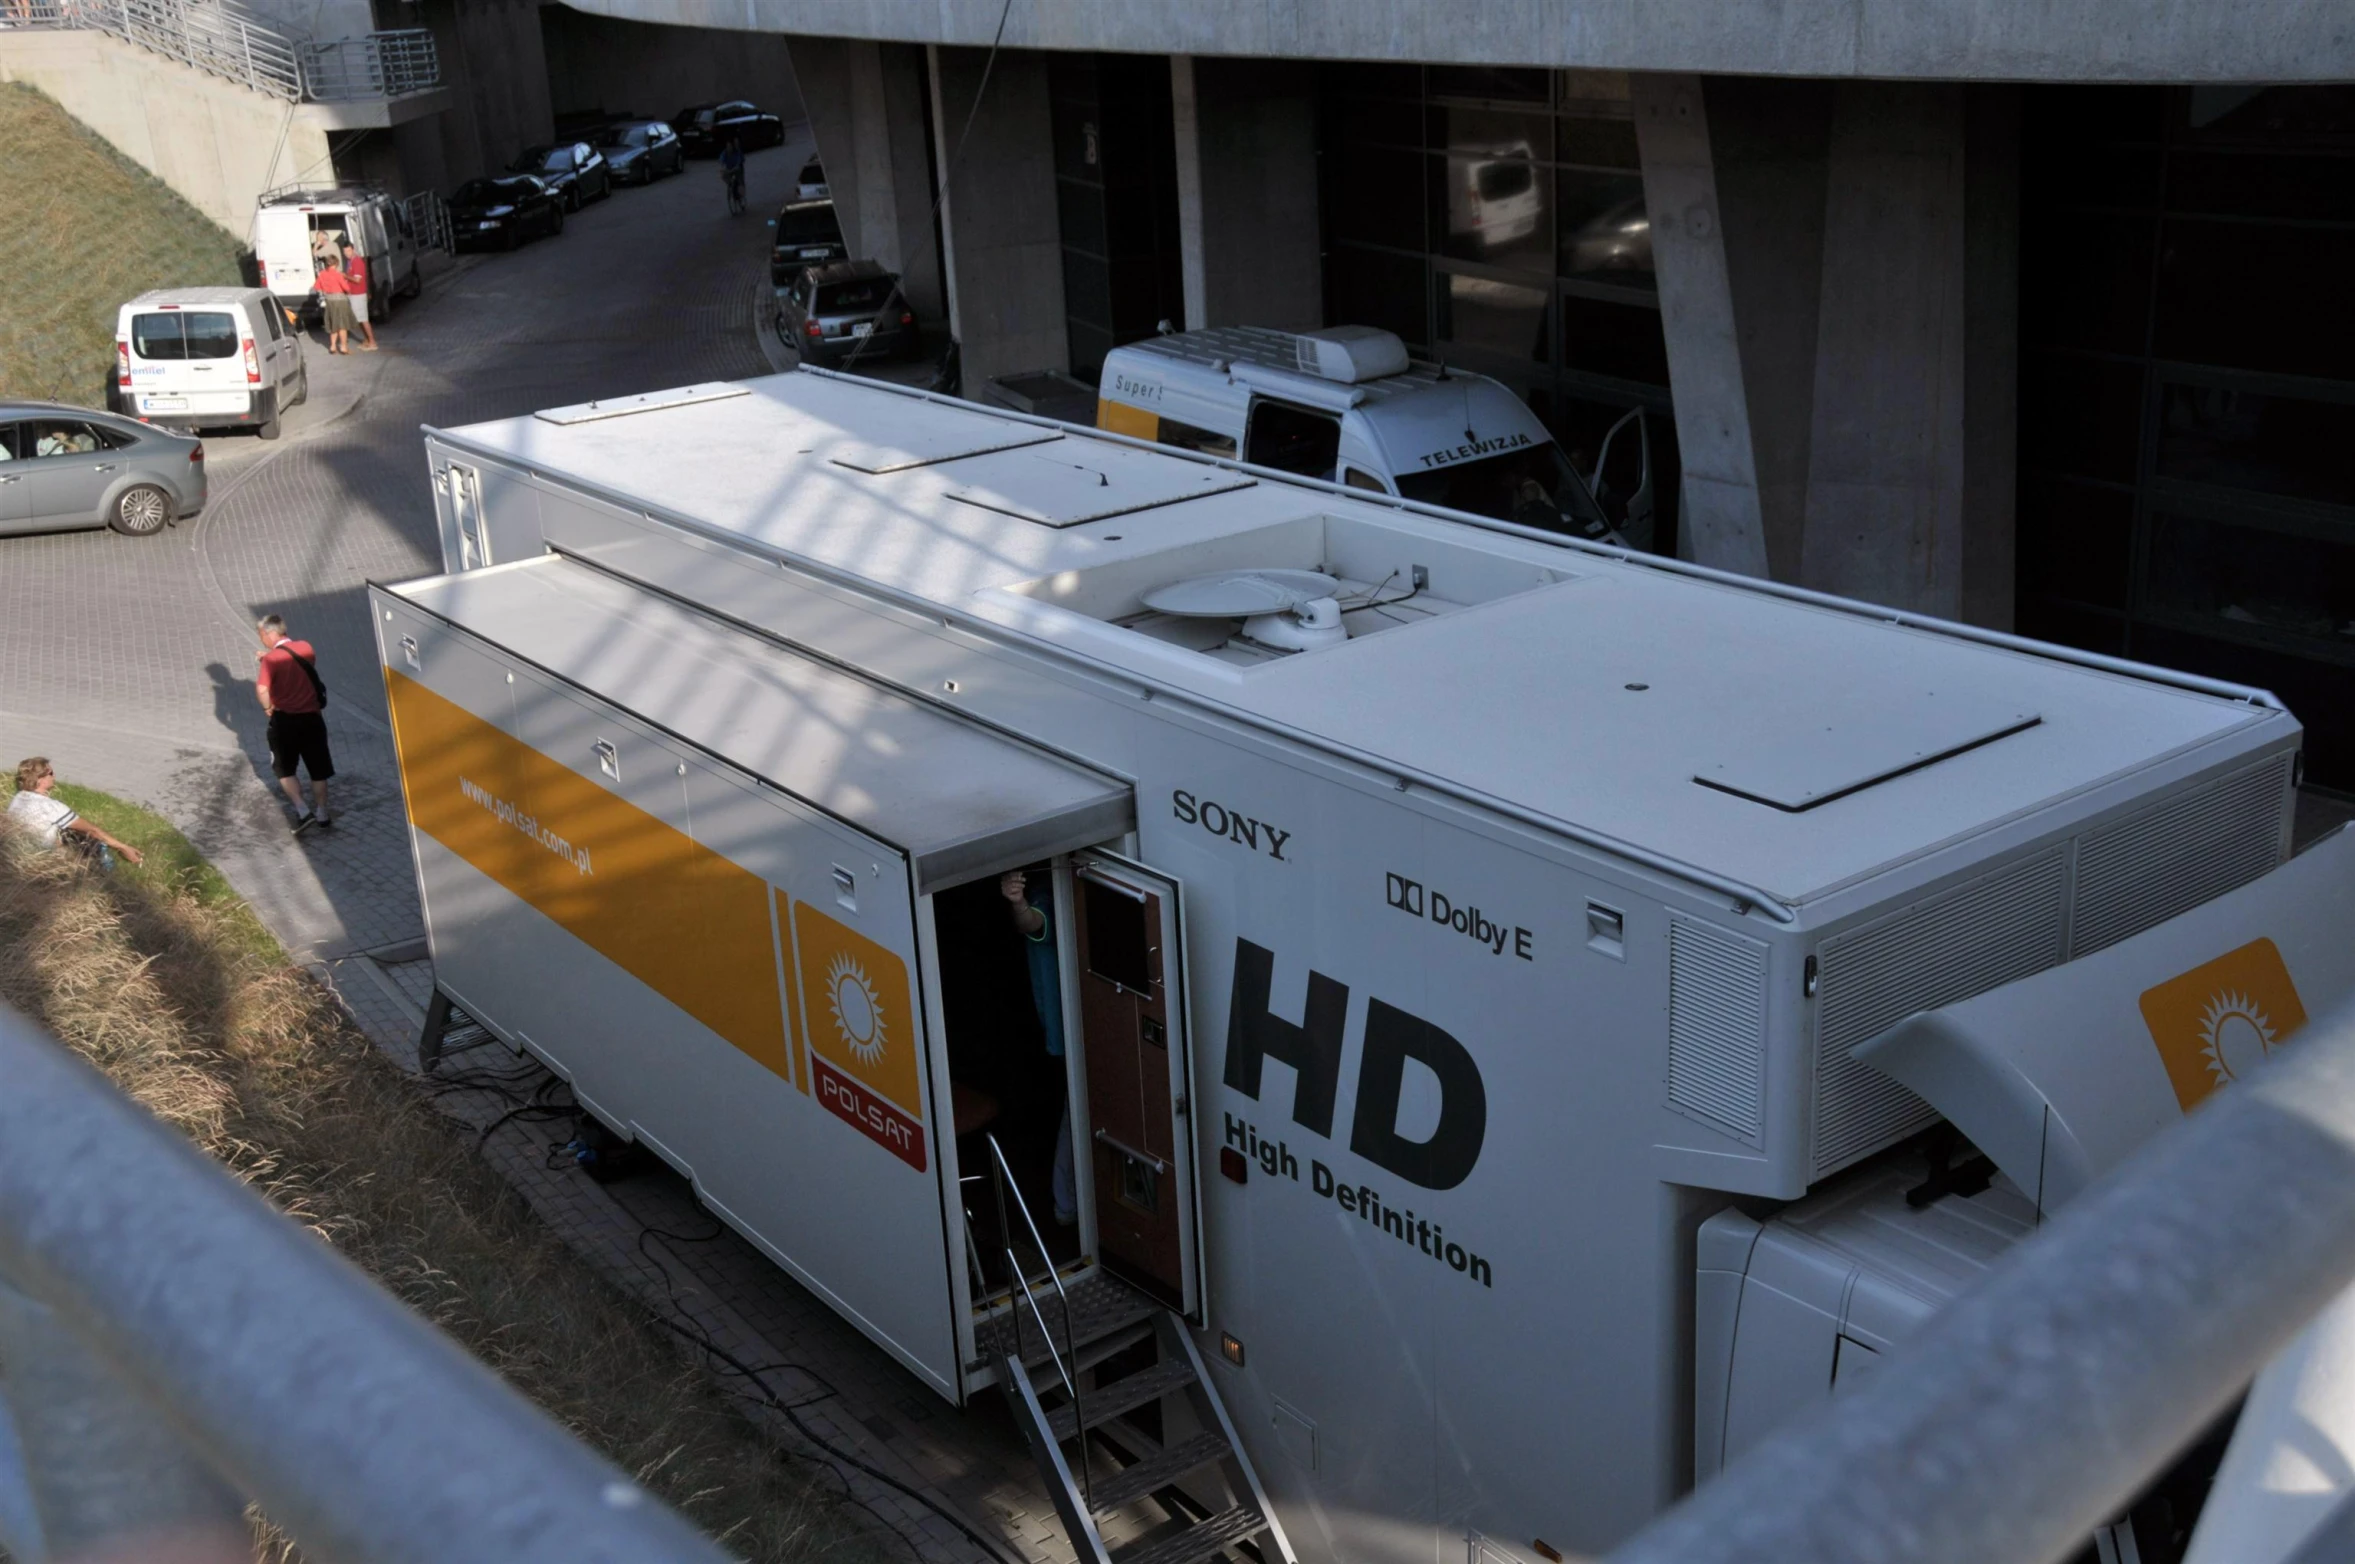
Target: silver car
(64,466)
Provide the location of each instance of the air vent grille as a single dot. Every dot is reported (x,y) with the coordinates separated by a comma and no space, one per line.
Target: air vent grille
(1957,944)
(2143,870)
(1716,1027)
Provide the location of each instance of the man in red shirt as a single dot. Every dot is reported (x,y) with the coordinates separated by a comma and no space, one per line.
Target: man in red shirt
(290,690)
(355,271)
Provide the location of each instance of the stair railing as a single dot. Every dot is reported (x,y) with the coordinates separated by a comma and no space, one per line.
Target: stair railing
(1002,1179)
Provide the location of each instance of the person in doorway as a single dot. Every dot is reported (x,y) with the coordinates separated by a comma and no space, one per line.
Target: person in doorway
(290,690)
(52,822)
(1033,912)
(335,308)
(355,274)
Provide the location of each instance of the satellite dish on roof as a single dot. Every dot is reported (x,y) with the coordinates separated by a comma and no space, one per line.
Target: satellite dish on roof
(1284,610)
(1240,594)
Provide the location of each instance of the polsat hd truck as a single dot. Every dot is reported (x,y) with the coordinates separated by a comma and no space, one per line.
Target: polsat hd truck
(1460,932)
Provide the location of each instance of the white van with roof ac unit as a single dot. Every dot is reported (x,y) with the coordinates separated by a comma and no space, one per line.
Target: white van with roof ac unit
(1348,405)
(1459,933)
(287,225)
(208,358)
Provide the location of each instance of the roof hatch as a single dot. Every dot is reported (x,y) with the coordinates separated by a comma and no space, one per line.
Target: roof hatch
(1813,764)
(1066,484)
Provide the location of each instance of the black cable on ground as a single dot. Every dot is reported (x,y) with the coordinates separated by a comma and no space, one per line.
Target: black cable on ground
(695,1333)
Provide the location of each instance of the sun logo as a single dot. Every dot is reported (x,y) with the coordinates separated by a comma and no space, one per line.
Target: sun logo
(858,1011)
(2235,1034)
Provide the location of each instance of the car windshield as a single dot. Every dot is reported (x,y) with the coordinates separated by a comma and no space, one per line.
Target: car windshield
(812,174)
(490,192)
(1504,178)
(634,136)
(1534,486)
(848,298)
(555,160)
(808,225)
(692,117)
(184,334)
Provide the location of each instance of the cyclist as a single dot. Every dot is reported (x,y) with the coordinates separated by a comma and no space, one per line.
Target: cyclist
(732,172)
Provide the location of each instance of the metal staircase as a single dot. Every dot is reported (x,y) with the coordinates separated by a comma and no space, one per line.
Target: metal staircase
(1113,1424)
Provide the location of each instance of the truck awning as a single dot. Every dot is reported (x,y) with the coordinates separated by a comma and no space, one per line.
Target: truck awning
(2060,1077)
(960,799)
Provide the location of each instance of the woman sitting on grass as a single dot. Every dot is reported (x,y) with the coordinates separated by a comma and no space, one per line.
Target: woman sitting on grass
(52,820)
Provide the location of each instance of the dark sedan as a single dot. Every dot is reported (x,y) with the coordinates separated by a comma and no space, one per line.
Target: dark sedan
(575,170)
(503,212)
(706,126)
(640,151)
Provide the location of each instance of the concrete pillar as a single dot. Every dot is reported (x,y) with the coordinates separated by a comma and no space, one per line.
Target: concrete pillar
(1837,267)
(1722,525)
(1000,229)
(1885,460)
(866,104)
(1247,180)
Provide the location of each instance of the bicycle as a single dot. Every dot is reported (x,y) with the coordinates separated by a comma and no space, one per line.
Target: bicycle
(734,180)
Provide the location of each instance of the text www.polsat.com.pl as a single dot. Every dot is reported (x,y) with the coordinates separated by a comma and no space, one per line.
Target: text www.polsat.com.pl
(507,814)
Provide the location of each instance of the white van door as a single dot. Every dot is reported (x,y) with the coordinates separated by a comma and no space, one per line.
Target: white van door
(1140,1085)
(187,362)
(282,248)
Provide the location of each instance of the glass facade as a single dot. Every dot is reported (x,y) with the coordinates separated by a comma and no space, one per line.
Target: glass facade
(1495,218)
(2187,388)
(1116,197)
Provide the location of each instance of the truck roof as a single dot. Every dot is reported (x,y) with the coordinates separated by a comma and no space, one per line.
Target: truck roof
(209,294)
(1264,347)
(1783,743)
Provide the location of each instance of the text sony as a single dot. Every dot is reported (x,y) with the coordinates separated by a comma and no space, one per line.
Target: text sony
(1235,826)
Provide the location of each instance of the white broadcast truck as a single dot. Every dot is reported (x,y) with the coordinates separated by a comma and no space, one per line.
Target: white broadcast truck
(1463,937)
(1348,405)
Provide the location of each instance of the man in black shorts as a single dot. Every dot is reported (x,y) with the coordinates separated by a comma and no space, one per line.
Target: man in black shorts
(290,690)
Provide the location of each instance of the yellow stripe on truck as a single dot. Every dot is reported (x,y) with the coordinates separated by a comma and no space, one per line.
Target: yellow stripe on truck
(1121,418)
(678,917)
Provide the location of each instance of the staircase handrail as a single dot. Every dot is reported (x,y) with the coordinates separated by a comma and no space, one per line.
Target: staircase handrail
(222,38)
(1003,1177)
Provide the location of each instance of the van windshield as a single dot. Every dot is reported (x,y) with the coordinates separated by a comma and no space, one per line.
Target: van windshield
(811,224)
(1534,486)
(184,334)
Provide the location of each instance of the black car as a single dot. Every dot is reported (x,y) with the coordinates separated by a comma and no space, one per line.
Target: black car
(704,127)
(640,151)
(808,235)
(573,169)
(850,308)
(504,211)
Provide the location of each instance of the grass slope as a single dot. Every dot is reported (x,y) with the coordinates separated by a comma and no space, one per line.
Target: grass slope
(161,977)
(83,228)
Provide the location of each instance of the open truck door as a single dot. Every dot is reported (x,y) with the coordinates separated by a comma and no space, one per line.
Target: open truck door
(1140,1090)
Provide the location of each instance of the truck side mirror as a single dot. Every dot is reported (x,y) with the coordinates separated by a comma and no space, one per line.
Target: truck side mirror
(1631,517)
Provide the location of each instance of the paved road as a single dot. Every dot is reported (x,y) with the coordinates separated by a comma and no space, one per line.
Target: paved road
(128,660)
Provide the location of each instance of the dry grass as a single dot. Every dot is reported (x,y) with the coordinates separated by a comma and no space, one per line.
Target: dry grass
(162,979)
(83,228)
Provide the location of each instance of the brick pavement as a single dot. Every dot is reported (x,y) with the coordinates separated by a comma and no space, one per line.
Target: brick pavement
(129,661)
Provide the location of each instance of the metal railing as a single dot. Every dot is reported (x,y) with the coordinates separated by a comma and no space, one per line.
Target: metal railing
(2033,1408)
(171,1347)
(1026,1291)
(375,65)
(222,38)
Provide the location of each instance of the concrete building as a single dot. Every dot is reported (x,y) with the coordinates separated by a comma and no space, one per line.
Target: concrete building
(2025,316)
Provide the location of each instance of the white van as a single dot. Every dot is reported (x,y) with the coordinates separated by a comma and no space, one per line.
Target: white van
(1348,405)
(191,358)
(284,230)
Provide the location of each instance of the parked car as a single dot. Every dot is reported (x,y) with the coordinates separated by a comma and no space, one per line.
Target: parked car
(63,466)
(640,151)
(202,358)
(286,224)
(832,312)
(704,126)
(575,170)
(808,234)
(810,184)
(503,212)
